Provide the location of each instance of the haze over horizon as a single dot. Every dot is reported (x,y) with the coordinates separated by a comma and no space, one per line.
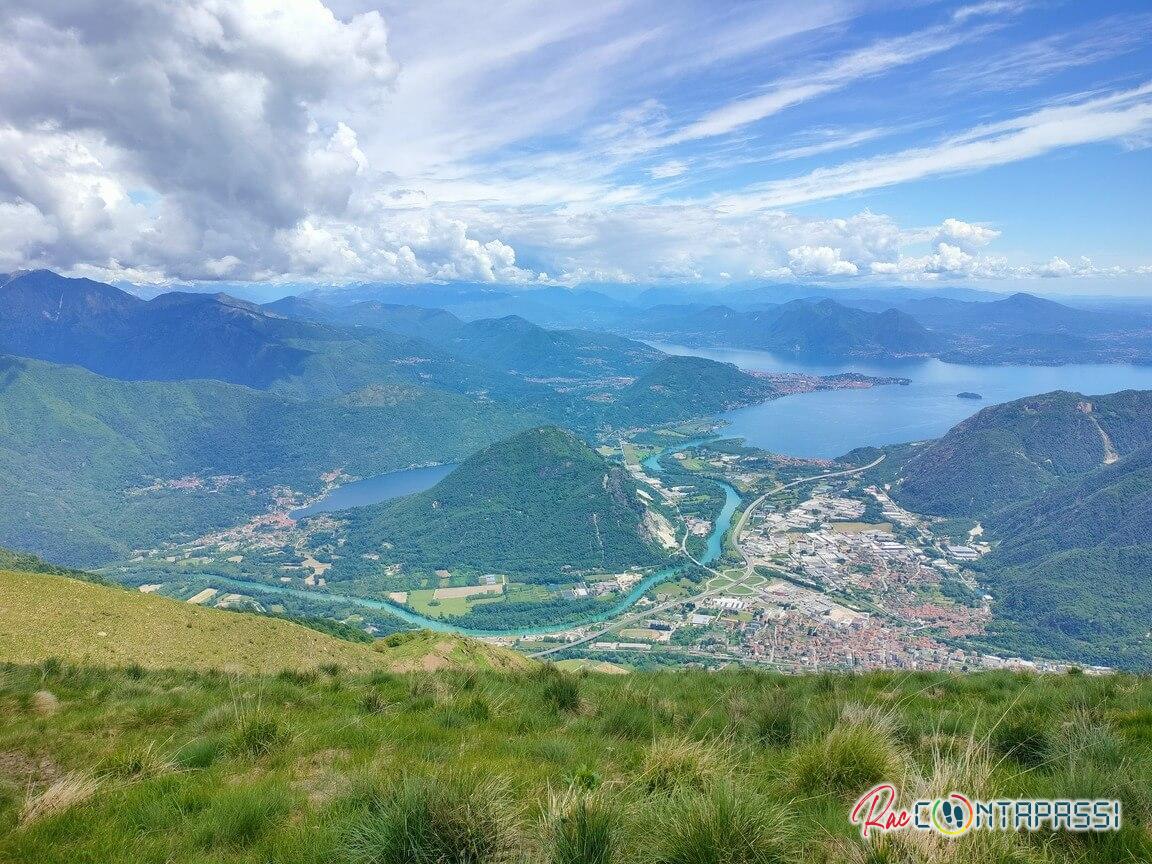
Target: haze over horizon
(1001,145)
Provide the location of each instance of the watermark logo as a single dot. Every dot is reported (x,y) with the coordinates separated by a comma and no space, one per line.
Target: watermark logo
(957,814)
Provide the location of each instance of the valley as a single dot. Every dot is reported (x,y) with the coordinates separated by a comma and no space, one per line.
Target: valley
(564,492)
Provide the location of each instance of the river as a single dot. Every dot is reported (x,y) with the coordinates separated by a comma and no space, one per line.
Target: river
(829,423)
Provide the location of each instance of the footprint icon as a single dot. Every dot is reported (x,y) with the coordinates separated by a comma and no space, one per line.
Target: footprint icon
(952,814)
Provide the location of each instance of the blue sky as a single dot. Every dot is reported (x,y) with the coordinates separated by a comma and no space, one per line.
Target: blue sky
(1002,143)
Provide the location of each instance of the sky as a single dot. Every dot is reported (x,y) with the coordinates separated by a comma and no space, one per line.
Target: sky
(994,143)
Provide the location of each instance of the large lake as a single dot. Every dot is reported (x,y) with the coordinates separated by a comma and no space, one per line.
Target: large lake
(373,490)
(830,423)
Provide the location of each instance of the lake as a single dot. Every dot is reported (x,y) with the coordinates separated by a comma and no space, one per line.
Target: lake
(829,423)
(373,490)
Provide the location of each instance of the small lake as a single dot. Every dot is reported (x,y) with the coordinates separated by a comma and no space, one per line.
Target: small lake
(373,490)
(829,423)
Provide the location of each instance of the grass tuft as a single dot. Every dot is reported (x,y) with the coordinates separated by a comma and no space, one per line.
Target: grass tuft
(450,819)
(45,703)
(239,816)
(858,753)
(258,733)
(675,764)
(64,794)
(720,826)
(562,692)
(581,828)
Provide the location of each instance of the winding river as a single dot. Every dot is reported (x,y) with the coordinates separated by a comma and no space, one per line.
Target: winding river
(396,479)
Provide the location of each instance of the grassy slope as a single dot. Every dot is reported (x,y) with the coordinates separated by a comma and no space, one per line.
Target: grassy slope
(754,768)
(44,616)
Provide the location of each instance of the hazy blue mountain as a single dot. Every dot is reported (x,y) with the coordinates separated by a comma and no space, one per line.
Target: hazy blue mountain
(174,336)
(511,343)
(416,321)
(822,328)
(1020,313)
(1024,328)
(551,306)
(180,336)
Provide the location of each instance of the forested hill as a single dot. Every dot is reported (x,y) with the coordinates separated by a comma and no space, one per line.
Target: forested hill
(538,505)
(1073,566)
(688,386)
(188,408)
(1010,453)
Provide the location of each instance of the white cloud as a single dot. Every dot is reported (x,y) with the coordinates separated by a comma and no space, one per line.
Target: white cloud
(876,59)
(671,168)
(24,235)
(1115,117)
(1056,267)
(819,261)
(248,139)
(965,234)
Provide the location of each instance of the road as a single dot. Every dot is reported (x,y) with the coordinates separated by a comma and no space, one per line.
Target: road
(748,569)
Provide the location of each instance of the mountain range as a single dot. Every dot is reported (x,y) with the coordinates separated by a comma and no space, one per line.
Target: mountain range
(959,325)
(126,422)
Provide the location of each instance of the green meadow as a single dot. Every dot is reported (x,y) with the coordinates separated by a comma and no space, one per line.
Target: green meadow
(469,766)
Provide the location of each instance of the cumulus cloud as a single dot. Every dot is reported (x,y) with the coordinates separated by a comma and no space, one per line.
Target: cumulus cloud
(965,234)
(819,261)
(24,235)
(196,138)
(1055,268)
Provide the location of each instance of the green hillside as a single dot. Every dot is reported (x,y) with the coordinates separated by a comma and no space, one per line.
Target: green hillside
(682,387)
(26,562)
(76,451)
(44,616)
(1011,453)
(545,767)
(537,506)
(1072,567)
